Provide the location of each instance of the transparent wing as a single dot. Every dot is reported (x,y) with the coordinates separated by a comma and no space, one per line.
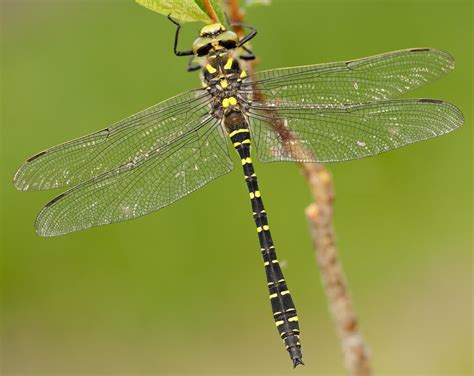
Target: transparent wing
(379,77)
(141,186)
(331,133)
(81,159)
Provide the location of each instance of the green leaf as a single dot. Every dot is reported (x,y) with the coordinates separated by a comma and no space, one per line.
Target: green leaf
(180,10)
(257,2)
(219,10)
(217,7)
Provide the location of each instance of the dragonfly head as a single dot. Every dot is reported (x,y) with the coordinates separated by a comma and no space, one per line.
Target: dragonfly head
(214,37)
(212,29)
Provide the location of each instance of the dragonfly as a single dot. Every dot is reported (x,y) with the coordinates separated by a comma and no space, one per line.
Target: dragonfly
(316,113)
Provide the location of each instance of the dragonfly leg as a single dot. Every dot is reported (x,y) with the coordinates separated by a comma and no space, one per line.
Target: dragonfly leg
(249,55)
(176,37)
(193,66)
(245,39)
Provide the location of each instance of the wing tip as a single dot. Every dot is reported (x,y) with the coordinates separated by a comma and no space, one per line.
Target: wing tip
(446,55)
(457,116)
(44,230)
(42,226)
(453,107)
(41,232)
(22,184)
(18,183)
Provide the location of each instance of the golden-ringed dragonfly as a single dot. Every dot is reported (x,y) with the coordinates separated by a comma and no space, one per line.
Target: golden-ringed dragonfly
(326,113)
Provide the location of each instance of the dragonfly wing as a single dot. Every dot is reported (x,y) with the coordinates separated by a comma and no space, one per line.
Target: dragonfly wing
(331,133)
(143,185)
(89,156)
(373,78)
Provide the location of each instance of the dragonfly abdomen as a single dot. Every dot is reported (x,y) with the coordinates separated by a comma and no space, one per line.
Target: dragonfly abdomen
(283,308)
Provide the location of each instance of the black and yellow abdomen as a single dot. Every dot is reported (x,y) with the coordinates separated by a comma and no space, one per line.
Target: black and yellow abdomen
(284,311)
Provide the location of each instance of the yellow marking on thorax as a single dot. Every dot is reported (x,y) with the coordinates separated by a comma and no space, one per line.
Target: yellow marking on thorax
(228,65)
(217,78)
(210,69)
(224,83)
(231,101)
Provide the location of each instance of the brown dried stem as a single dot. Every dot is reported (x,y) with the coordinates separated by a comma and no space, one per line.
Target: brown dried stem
(320,219)
(320,214)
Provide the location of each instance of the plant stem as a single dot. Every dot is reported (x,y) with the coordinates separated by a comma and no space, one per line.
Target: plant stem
(320,215)
(210,10)
(320,219)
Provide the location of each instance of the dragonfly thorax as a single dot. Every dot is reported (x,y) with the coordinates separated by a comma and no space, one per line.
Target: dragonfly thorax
(222,75)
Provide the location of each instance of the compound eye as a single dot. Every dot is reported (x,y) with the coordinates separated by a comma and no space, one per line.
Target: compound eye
(228,39)
(201,46)
(229,44)
(204,50)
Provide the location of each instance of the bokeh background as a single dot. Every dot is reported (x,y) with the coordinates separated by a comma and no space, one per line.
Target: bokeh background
(182,291)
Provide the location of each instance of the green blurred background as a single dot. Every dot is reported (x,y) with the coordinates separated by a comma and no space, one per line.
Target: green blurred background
(176,292)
